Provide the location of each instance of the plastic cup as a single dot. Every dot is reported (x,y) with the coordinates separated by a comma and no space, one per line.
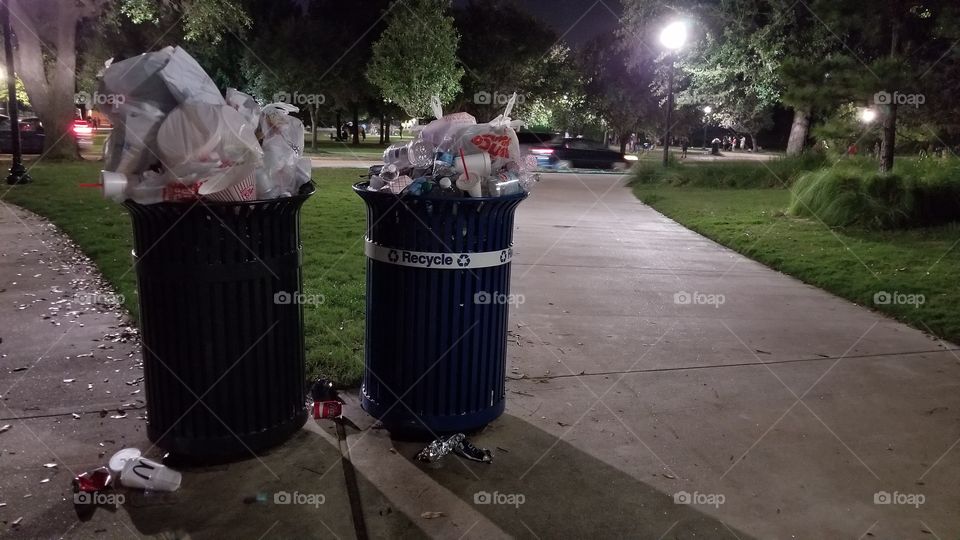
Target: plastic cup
(472,184)
(114,184)
(475,164)
(149,475)
(119,460)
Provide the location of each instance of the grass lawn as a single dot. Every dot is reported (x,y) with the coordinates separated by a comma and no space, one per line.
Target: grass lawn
(369,149)
(850,262)
(332,228)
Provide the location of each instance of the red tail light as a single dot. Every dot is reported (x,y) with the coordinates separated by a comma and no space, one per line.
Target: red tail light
(81,129)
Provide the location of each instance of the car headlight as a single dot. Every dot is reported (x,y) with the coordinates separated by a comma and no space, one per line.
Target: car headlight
(630,157)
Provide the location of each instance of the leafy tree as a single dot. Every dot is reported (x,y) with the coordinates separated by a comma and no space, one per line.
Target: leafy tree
(621,96)
(891,47)
(46,52)
(416,56)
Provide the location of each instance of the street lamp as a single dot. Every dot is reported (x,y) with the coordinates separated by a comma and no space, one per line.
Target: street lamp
(706,117)
(868,115)
(672,37)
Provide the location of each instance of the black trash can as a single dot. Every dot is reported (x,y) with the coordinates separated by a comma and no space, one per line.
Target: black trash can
(438,284)
(221,323)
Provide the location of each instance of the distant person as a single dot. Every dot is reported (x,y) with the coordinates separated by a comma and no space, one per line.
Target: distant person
(683,148)
(743,142)
(876,150)
(852,149)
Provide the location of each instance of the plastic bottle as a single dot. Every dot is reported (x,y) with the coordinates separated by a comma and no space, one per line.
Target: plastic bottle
(445,188)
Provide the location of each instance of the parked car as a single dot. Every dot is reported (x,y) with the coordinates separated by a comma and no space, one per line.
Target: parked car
(31,135)
(83,132)
(581,154)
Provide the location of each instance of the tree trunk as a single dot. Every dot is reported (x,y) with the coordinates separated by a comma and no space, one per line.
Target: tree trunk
(753,141)
(356,124)
(313,127)
(50,84)
(339,123)
(382,124)
(623,144)
(799,131)
(386,131)
(889,138)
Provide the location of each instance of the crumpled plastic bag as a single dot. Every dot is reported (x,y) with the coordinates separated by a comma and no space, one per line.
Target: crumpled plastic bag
(143,89)
(283,170)
(211,145)
(245,105)
(498,138)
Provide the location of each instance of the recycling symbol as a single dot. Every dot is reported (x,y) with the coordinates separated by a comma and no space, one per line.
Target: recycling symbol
(463,260)
(393,256)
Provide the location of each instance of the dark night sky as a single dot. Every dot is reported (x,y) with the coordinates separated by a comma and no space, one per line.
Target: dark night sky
(562,16)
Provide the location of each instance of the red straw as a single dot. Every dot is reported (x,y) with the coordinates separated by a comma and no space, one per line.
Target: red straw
(91,185)
(464,160)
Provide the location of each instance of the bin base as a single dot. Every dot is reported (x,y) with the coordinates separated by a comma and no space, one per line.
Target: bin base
(230,446)
(397,419)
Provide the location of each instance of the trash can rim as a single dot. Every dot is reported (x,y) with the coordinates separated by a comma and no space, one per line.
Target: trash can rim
(361,189)
(306,190)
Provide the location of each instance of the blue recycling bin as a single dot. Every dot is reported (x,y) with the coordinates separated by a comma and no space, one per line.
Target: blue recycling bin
(438,281)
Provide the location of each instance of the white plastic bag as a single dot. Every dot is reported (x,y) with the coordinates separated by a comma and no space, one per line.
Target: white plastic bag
(245,105)
(211,145)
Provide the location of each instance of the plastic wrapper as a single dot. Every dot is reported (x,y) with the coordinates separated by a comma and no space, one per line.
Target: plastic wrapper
(456,443)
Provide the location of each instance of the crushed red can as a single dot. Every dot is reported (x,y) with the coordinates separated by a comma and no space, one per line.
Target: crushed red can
(327,409)
(92,481)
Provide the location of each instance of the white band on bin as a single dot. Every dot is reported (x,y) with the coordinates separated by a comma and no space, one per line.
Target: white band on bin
(437,261)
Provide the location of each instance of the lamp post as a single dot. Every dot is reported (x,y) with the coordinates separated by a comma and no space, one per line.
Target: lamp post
(672,37)
(18,174)
(706,116)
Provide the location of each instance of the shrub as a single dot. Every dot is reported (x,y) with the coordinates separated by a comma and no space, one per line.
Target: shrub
(915,194)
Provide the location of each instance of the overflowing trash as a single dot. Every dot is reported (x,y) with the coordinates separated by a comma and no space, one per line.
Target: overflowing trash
(454,156)
(456,443)
(177,138)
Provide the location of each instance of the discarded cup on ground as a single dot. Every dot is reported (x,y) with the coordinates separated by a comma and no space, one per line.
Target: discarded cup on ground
(119,460)
(149,475)
(327,409)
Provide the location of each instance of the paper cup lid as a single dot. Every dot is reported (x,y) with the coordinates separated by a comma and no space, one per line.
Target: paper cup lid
(119,460)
